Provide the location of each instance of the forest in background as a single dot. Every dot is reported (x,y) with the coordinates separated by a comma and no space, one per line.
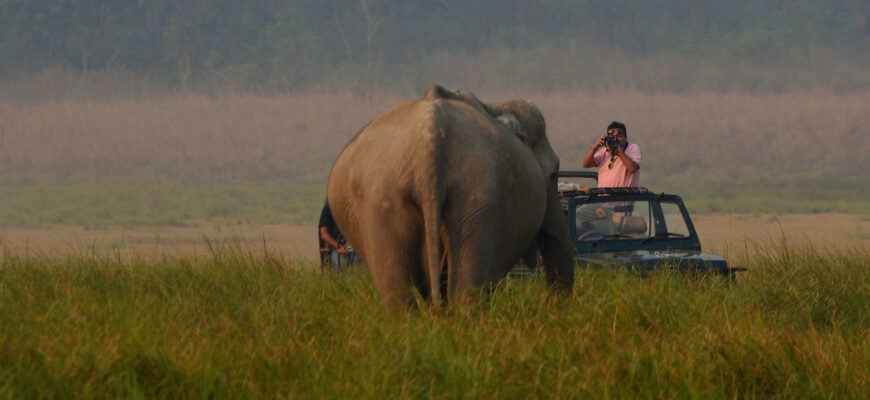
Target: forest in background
(64,47)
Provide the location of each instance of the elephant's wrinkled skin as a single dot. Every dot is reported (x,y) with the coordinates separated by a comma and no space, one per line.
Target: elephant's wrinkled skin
(450,184)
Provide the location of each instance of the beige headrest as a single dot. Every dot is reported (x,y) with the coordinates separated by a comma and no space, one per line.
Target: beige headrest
(631,224)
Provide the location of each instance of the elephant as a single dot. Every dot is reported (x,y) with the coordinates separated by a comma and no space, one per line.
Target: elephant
(442,195)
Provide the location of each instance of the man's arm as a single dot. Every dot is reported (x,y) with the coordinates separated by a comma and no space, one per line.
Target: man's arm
(589,158)
(324,234)
(630,165)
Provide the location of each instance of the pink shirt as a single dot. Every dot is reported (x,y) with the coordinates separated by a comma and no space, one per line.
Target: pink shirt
(617,176)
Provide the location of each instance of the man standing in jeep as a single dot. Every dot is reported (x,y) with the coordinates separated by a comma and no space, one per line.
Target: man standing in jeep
(617,160)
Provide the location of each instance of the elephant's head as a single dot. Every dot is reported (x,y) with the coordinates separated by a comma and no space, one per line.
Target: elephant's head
(527,122)
(519,116)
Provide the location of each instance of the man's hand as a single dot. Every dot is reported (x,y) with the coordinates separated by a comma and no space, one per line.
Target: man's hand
(327,238)
(598,143)
(588,159)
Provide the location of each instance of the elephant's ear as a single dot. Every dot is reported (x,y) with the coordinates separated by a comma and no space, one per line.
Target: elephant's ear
(511,122)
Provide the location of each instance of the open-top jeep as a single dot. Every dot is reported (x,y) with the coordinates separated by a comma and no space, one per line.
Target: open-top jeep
(636,229)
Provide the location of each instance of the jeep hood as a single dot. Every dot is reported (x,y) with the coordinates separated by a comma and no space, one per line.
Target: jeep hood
(647,260)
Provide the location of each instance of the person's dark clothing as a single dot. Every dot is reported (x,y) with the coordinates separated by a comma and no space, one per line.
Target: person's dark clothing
(327,221)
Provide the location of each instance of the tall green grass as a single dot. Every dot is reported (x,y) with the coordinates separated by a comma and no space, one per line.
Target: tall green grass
(242,322)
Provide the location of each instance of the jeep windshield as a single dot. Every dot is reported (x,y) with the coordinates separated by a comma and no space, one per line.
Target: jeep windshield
(639,219)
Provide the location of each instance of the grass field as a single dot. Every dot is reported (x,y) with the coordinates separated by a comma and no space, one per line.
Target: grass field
(246,323)
(159,247)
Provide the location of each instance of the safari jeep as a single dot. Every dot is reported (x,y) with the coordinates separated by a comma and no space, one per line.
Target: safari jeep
(636,229)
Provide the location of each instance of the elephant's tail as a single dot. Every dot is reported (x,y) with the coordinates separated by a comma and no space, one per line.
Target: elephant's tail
(432,232)
(432,194)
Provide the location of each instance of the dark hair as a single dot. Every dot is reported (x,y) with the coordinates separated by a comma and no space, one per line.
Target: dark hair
(618,125)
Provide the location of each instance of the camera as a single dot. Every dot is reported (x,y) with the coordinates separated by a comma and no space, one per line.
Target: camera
(610,141)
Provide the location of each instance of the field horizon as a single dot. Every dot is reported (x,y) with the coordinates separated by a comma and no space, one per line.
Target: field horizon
(265,159)
(722,234)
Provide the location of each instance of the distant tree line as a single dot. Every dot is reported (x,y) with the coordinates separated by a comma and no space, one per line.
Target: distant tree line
(290,43)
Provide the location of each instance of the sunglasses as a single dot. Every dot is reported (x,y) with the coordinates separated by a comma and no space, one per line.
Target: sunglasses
(614,131)
(610,164)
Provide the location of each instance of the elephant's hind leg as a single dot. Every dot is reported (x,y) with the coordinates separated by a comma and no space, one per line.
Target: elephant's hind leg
(394,261)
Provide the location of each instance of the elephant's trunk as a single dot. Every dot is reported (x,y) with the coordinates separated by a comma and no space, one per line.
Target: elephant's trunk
(554,243)
(558,265)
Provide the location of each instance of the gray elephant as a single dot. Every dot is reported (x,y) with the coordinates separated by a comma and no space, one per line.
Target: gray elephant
(443,195)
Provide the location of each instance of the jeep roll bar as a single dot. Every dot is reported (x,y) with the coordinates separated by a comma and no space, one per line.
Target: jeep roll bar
(579,174)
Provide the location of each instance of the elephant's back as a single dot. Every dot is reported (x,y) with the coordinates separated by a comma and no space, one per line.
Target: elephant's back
(375,173)
(424,146)
(392,142)
(414,139)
